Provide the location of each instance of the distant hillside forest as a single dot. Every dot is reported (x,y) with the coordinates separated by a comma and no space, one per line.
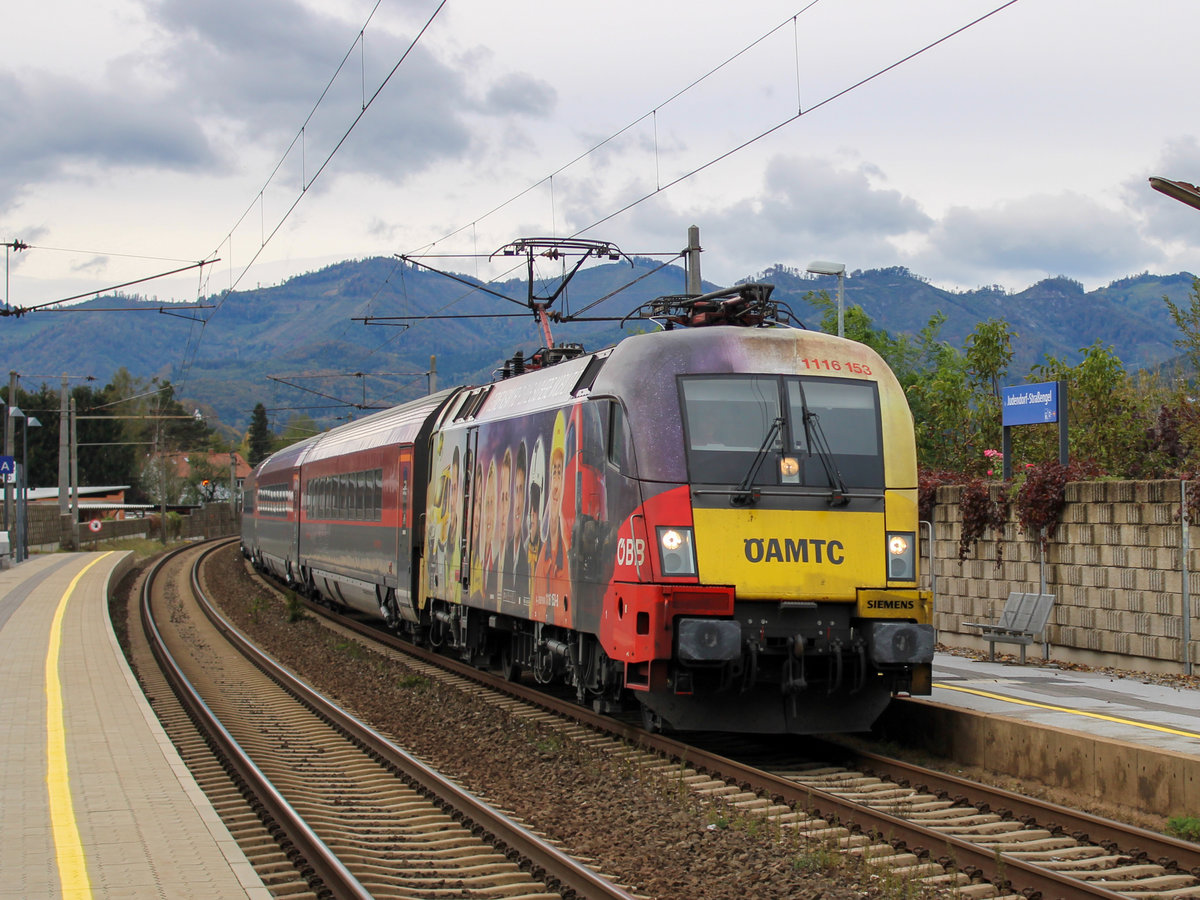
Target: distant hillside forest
(338,343)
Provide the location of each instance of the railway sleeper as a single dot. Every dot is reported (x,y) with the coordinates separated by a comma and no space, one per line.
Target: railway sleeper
(913,807)
(1140,875)
(1057,864)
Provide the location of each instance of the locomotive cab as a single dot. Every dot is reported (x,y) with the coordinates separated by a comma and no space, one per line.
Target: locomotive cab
(778,474)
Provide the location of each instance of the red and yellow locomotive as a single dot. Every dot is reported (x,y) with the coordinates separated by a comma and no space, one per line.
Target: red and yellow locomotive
(716,521)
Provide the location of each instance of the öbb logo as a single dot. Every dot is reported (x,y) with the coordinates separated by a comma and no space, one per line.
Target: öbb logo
(631,552)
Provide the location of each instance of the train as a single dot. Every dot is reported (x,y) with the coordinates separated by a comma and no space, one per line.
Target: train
(713,522)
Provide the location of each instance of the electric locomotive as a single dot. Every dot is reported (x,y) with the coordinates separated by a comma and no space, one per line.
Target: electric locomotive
(717,521)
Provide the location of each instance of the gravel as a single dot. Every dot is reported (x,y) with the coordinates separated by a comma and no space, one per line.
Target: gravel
(648,835)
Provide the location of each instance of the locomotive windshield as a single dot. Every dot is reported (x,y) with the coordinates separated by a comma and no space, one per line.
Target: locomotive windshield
(831,428)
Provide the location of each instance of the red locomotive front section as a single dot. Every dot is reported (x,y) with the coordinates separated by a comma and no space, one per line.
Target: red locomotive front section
(654,586)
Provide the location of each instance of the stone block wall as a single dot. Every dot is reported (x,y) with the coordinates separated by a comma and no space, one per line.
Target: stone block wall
(1114,564)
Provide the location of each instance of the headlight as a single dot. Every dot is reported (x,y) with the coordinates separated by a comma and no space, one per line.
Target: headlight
(789,470)
(676,555)
(709,640)
(901,565)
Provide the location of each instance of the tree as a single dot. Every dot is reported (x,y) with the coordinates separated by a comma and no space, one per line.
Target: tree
(898,352)
(205,482)
(989,351)
(955,395)
(1109,417)
(298,428)
(259,438)
(1188,322)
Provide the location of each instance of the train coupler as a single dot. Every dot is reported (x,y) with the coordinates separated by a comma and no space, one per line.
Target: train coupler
(794,680)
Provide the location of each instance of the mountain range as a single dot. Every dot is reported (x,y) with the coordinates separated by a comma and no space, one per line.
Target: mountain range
(270,345)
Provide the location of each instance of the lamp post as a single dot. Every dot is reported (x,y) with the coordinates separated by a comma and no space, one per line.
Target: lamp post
(21,545)
(821,267)
(18,520)
(30,422)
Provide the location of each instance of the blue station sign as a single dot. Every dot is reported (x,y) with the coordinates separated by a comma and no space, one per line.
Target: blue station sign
(8,469)
(1029,404)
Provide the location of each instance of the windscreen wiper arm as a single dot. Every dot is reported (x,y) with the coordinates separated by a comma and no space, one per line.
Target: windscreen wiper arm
(817,441)
(745,493)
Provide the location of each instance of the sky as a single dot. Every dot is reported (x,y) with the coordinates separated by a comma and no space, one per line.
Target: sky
(140,136)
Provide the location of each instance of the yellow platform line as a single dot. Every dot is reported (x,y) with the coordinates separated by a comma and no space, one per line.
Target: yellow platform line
(1074,712)
(72,864)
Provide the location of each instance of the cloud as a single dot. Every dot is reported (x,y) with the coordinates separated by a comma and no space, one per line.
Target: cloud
(1165,219)
(214,82)
(262,66)
(520,93)
(814,196)
(65,127)
(1066,233)
(812,208)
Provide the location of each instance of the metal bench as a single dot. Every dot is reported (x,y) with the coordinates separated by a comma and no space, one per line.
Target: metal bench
(1024,617)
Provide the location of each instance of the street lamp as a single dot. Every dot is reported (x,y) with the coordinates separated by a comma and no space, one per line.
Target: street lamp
(820,267)
(30,422)
(1179,190)
(22,504)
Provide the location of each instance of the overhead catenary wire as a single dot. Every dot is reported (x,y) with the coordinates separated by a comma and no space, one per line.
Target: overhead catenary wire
(790,119)
(412,256)
(659,188)
(599,145)
(308,183)
(193,347)
(21,310)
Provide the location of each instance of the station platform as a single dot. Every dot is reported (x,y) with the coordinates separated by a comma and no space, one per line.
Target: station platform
(1132,709)
(94,800)
(1129,742)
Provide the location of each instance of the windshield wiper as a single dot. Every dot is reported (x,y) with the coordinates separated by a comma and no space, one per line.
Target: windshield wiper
(818,443)
(745,493)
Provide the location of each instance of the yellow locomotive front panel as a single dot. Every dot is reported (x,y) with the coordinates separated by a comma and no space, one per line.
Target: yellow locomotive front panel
(787,555)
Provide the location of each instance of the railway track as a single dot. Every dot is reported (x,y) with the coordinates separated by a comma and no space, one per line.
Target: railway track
(348,813)
(916,823)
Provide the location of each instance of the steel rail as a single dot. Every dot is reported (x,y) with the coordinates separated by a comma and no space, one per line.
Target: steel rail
(336,877)
(556,867)
(952,852)
(1170,853)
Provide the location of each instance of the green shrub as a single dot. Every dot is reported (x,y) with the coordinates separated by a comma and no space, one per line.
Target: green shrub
(1184,827)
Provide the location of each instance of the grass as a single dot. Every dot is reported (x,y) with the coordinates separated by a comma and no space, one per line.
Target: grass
(1184,827)
(412,682)
(352,649)
(257,606)
(820,860)
(295,607)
